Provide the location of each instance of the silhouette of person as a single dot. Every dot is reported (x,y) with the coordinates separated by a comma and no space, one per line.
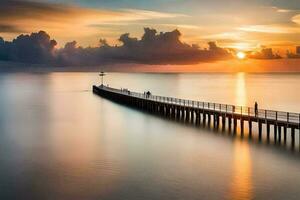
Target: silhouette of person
(256,109)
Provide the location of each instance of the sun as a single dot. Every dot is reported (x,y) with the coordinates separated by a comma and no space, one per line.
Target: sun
(241,55)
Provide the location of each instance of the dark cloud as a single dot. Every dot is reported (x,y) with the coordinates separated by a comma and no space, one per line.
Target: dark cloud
(294,55)
(265,53)
(5,28)
(13,9)
(152,48)
(33,48)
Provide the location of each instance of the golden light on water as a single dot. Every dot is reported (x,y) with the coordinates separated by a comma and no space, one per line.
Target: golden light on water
(240,90)
(241,187)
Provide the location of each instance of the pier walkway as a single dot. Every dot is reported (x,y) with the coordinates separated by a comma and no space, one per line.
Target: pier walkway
(282,124)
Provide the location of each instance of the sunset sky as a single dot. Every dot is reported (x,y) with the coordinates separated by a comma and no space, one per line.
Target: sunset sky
(241,24)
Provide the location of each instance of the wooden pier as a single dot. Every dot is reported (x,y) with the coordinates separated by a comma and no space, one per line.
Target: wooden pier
(282,124)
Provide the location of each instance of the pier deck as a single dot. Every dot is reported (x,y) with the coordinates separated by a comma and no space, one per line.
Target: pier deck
(207,112)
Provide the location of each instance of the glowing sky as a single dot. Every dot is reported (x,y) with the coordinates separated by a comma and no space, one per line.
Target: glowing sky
(241,24)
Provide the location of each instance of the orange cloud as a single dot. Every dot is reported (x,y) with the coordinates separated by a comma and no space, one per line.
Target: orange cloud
(296,19)
(66,21)
(270,29)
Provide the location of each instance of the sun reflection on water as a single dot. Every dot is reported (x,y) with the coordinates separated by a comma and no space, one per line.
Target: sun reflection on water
(241,94)
(241,186)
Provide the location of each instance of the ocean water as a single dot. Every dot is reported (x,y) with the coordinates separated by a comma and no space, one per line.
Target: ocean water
(60,141)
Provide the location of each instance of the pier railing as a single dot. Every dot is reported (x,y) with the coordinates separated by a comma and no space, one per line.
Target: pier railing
(279,116)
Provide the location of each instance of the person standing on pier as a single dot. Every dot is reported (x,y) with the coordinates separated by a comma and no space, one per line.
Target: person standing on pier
(147,94)
(256,109)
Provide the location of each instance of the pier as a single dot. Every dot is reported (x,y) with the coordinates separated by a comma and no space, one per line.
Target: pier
(282,126)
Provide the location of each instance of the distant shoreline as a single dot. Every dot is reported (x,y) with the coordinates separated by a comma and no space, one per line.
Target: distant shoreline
(250,66)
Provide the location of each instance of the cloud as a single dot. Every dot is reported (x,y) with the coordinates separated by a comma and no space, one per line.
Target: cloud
(281,10)
(4,28)
(273,29)
(294,55)
(152,48)
(264,53)
(296,19)
(33,48)
(148,14)
(59,19)
(183,26)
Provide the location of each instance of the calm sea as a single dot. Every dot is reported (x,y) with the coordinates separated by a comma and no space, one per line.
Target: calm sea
(58,141)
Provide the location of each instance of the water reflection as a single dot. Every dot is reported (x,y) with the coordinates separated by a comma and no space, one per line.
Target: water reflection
(241,187)
(59,141)
(240,88)
(78,153)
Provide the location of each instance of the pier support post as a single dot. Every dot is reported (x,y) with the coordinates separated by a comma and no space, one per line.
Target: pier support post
(197,117)
(208,119)
(279,134)
(223,122)
(199,114)
(158,108)
(166,110)
(192,115)
(284,134)
(275,133)
(234,125)
(218,120)
(293,137)
(242,127)
(187,116)
(268,132)
(259,130)
(174,112)
(177,112)
(215,120)
(229,123)
(250,128)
